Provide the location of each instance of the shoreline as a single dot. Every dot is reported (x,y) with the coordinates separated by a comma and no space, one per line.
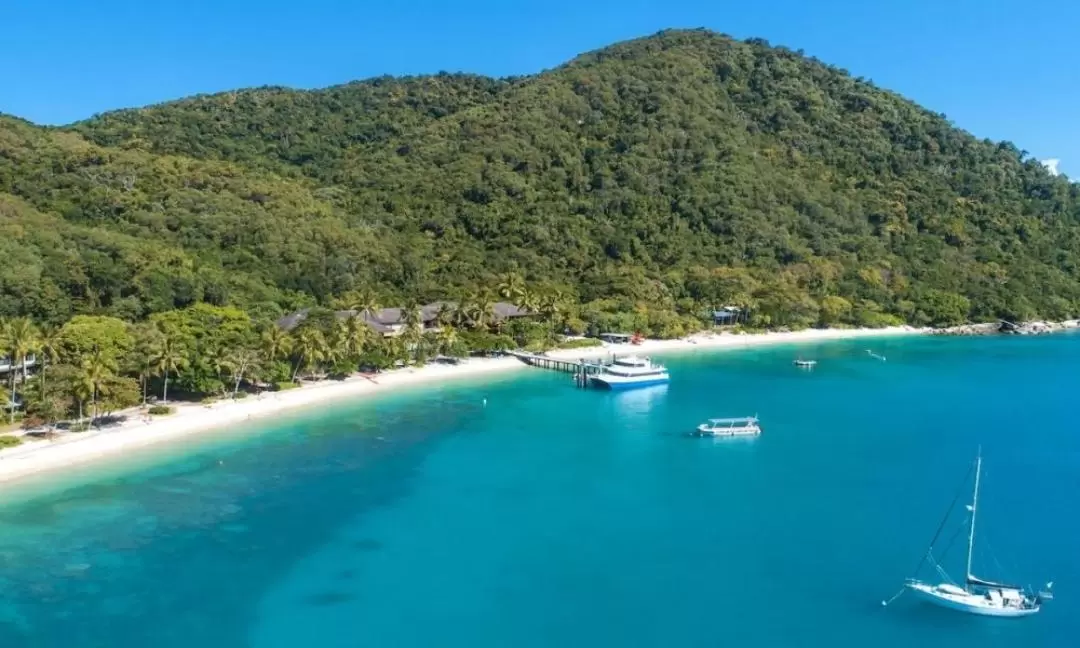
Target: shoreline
(191,420)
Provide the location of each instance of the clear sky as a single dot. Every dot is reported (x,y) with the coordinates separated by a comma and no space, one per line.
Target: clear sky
(1004,69)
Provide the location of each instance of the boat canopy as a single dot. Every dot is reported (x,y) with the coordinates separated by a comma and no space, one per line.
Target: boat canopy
(978,582)
(731,421)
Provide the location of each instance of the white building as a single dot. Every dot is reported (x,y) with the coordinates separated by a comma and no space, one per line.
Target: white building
(6,364)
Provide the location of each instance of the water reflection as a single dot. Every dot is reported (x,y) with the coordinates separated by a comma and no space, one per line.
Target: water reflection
(640,401)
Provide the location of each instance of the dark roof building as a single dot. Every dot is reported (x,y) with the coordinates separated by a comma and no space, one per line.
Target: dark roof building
(389,321)
(504,310)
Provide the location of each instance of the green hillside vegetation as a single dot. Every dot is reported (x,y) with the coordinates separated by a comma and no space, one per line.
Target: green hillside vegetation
(640,185)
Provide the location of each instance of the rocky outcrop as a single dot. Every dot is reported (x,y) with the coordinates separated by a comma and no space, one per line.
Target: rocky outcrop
(1037,327)
(970,329)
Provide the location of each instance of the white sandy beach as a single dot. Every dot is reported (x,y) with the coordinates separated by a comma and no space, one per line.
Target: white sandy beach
(40,456)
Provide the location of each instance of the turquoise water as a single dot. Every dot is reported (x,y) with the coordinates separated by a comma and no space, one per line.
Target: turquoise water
(560,517)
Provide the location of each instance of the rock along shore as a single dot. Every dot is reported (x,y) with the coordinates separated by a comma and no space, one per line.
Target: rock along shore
(1037,327)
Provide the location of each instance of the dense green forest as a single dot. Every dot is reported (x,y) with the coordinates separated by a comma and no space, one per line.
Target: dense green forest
(646,181)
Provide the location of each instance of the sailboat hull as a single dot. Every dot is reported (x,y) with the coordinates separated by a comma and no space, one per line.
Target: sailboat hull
(977,596)
(954,598)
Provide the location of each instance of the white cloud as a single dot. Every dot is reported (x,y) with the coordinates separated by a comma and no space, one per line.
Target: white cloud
(1052,166)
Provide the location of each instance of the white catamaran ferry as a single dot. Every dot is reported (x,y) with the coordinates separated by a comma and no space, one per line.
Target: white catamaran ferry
(631,371)
(975,595)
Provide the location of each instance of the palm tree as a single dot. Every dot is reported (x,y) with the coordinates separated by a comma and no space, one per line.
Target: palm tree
(551,306)
(222,363)
(412,317)
(446,338)
(446,315)
(82,390)
(511,287)
(5,396)
(338,345)
(413,334)
(5,353)
(147,341)
(364,301)
(357,336)
(22,340)
(311,348)
(479,310)
(460,314)
(48,350)
(169,357)
(529,302)
(395,349)
(276,343)
(95,370)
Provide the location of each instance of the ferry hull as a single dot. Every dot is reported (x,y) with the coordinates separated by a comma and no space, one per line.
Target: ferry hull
(622,385)
(705,431)
(972,604)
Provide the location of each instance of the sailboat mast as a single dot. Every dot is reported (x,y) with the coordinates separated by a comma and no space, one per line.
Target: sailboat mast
(974,506)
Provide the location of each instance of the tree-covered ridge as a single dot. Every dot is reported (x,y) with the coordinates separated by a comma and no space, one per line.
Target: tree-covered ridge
(148,233)
(281,128)
(661,175)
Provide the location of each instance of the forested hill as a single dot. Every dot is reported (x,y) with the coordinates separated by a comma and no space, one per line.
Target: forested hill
(668,173)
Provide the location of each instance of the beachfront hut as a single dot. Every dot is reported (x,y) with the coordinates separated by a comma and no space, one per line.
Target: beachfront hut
(616,338)
(729,316)
(508,311)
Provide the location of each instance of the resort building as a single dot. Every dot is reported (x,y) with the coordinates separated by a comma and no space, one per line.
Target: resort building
(390,322)
(6,364)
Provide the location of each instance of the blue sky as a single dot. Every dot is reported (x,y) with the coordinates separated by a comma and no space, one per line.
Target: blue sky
(1002,69)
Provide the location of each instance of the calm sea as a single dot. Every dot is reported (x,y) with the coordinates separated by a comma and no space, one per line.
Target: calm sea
(559,517)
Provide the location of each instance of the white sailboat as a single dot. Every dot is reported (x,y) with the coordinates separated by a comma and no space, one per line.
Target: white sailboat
(975,595)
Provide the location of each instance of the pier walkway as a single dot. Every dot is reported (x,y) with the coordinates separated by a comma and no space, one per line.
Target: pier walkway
(581,369)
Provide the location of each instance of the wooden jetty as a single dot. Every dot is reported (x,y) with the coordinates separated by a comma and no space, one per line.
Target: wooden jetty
(580,369)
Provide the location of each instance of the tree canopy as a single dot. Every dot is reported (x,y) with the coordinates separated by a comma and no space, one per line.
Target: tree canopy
(649,178)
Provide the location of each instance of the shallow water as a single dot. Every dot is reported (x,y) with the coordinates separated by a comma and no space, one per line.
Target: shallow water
(556,516)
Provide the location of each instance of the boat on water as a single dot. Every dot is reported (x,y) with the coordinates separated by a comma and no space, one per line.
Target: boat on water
(629,372)
(730,427)
(805,364)
(975,595)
